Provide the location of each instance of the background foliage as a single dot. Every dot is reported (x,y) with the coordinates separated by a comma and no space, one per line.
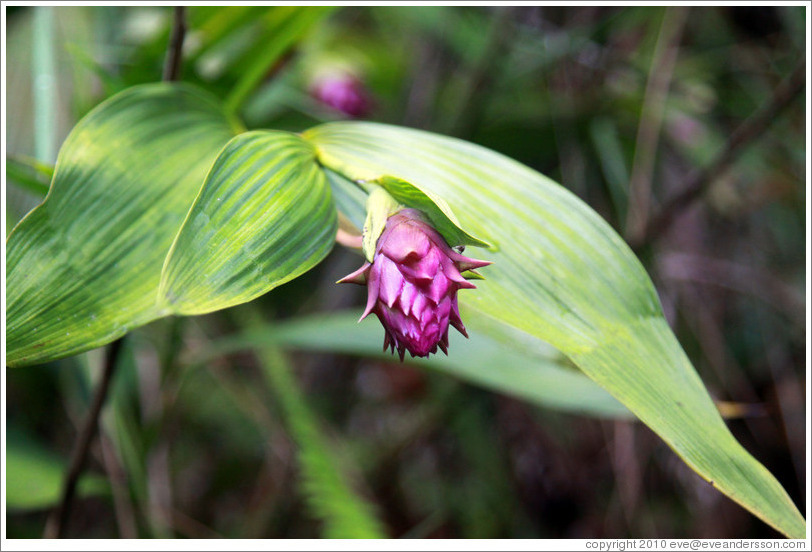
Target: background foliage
(234,447)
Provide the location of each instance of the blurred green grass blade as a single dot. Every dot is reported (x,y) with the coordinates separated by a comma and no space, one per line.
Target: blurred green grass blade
(496,356)
(34,475)
(214,24)
(285,26)
(29,173)
(263,217)
(325,482)
(83,267)
(607,145)
(561,274)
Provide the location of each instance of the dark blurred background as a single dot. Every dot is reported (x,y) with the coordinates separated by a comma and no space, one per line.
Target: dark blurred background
(624,106)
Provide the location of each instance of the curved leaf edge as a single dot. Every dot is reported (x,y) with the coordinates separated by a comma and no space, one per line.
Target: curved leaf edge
(161,297)
(207,97)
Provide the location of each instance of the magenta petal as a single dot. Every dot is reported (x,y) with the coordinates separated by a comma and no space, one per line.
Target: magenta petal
(407,297)
(420,307)
(423,270)
(443,309)
(373,285)
(450,270)
(407,243)
(391,282)
(459,326)
(467,263)
(454,312)
(465,284)
(357,277)
(439,288)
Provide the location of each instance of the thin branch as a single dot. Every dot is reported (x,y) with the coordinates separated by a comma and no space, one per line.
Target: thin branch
(57,520)
(746,133)
(174,52)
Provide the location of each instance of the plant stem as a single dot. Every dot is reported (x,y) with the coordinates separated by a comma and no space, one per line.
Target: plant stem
(750,130)
(57,520)
(348,240)
(175,51)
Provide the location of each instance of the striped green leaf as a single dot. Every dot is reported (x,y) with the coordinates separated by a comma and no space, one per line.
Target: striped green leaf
(84,266)
(561,274)
(264,216)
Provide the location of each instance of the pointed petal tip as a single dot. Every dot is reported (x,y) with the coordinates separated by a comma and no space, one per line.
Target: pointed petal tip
(467,263)
(368,310)
(358,277)
(460,327)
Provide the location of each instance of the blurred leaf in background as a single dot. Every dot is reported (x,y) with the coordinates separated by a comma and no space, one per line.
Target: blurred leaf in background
(34,475)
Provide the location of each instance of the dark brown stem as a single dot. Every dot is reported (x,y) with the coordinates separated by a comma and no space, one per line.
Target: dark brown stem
(57,520)
(746,133)
(174,52)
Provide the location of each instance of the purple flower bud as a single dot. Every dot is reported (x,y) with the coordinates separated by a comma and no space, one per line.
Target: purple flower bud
(343,92)
(412,285)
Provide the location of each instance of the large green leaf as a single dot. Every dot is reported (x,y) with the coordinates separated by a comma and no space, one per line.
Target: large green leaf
(497,357)
(561,274)
(84,266)
(264,216)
